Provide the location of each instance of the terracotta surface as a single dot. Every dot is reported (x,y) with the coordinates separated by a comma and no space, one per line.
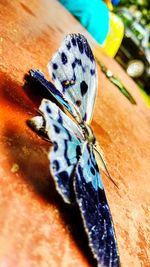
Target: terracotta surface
(36,227)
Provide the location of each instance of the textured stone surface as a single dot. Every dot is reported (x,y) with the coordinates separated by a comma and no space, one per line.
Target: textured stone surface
(36,228)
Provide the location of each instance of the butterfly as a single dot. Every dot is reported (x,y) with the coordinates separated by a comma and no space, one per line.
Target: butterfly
(72,160)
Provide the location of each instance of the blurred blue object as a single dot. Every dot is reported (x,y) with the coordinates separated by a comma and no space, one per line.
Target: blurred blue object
(93,15)
(115,2)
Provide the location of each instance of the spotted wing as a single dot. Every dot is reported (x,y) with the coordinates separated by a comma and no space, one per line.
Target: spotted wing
(94,209)
(38,76)
(73,70)
(64,155)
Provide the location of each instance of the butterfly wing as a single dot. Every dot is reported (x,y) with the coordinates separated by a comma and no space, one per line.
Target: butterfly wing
(94,209)
(73,70)
(66,150)
(38,76)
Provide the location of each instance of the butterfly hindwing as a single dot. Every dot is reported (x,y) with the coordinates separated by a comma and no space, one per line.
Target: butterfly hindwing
(66,150)
(73,70)
(94,209)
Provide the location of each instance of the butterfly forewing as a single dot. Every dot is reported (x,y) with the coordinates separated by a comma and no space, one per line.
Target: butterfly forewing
(37,76)
(73,70)
(94,209)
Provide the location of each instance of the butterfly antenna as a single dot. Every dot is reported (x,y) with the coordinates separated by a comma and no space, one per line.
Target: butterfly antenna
(106,169)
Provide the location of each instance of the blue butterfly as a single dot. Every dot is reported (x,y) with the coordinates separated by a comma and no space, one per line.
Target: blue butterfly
(72,160)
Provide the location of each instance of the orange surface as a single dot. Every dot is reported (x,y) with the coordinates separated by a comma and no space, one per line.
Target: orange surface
(36,227)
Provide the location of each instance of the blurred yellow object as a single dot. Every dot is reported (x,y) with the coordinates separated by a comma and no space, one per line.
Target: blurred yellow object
(115,35)
(109,4)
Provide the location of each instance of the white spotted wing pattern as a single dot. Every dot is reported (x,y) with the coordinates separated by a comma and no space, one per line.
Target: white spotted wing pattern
(70,68)
(72,161)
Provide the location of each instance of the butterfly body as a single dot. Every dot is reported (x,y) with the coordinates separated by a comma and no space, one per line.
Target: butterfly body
(88,133)
(72,160)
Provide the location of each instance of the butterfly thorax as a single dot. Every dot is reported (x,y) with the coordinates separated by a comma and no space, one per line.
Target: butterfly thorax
(88,133)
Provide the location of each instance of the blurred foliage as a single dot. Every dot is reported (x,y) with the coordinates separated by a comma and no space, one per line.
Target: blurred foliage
(141,9)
